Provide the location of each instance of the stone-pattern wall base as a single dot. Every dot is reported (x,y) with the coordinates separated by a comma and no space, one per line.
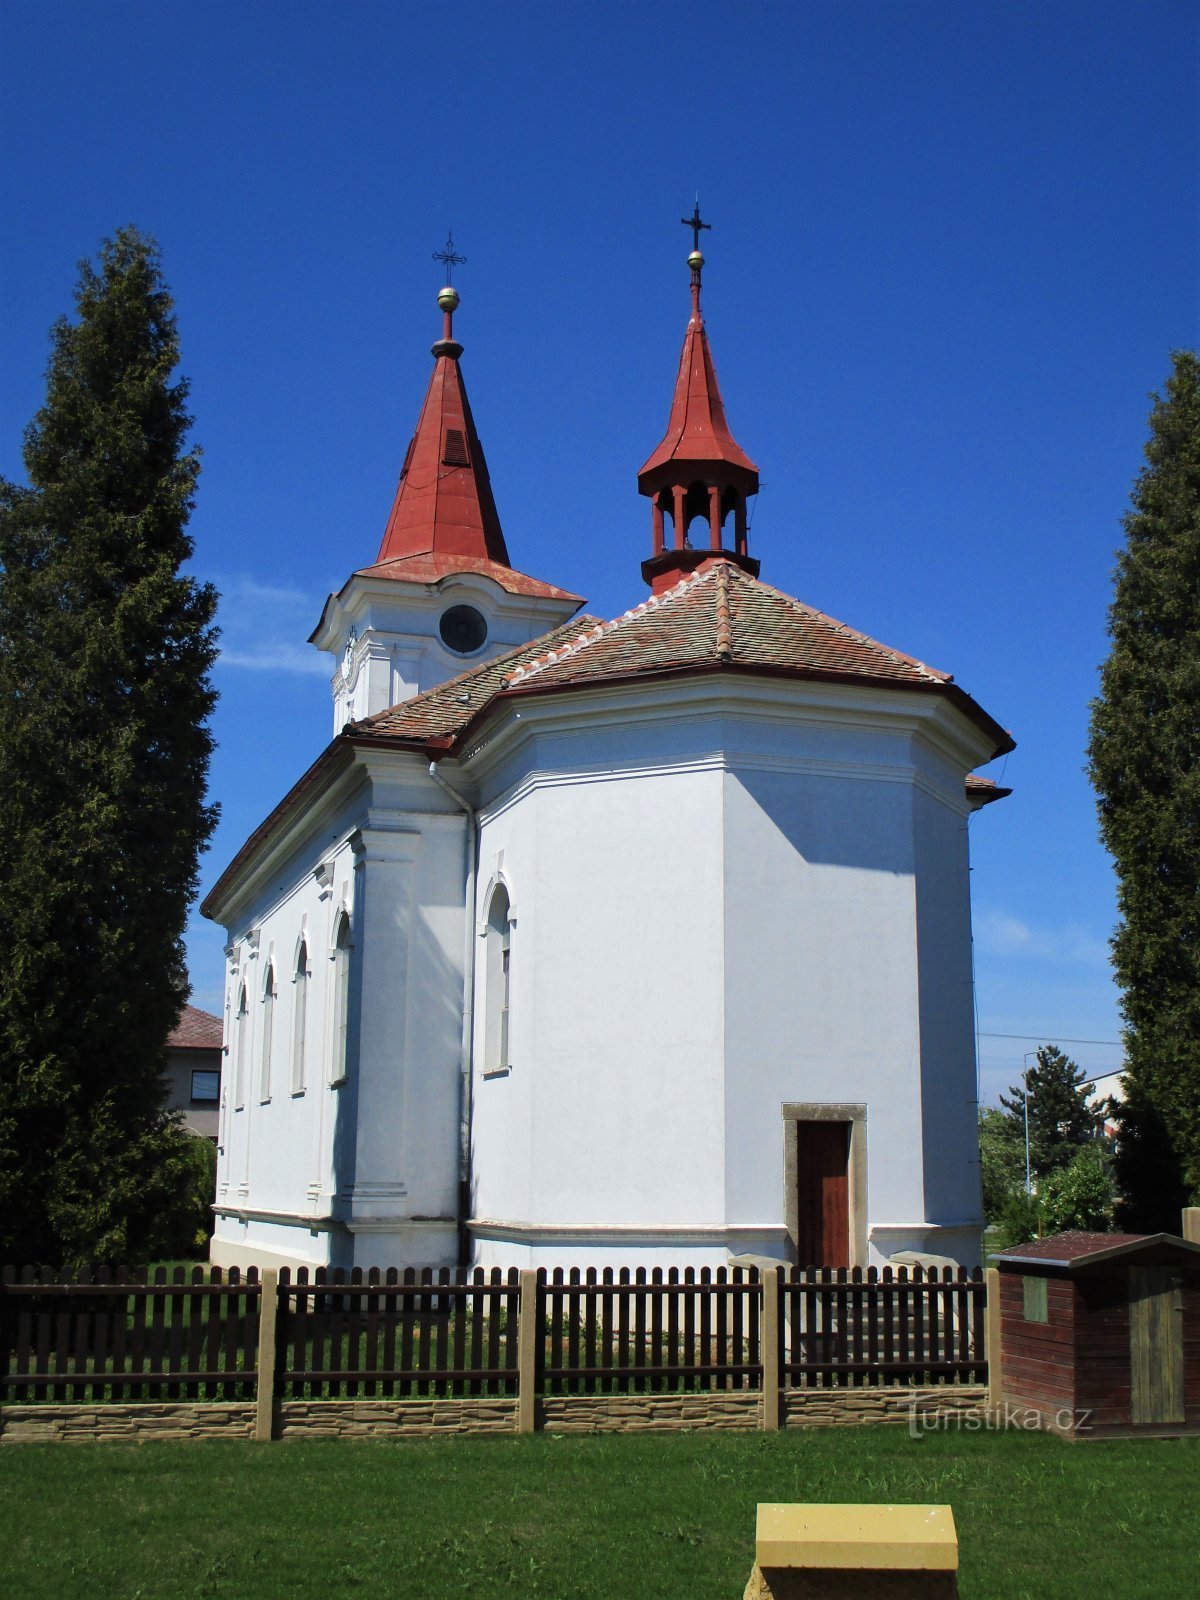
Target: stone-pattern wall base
(739,1411)
(642,1413)
(375,1419)
(839,1408)
(170,1419)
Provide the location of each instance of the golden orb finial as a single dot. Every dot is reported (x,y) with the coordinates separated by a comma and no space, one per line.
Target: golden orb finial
(448,298)
(695,261)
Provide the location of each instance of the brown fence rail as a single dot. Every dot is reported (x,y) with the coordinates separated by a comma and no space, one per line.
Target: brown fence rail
(397,1334)
(643,1333)
(106,1333)
(116,1335)
(883,1327)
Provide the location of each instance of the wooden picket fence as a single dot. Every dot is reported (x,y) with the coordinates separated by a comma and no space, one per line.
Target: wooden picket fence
(117,1335)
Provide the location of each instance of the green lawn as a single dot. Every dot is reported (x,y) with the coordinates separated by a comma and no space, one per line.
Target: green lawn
(664,1516)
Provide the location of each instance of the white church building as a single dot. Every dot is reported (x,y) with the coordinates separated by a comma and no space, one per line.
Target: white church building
(640,942)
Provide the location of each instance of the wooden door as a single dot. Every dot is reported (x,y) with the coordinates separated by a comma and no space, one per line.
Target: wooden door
(823,1194)
(1155,1346)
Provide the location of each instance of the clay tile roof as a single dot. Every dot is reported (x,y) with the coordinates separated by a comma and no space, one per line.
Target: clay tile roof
(720,613)
(718,617)
(195,1030)
(984,790)
(442,712)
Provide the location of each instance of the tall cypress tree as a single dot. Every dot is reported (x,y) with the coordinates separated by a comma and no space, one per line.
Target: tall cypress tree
(105,651)
(1145,764)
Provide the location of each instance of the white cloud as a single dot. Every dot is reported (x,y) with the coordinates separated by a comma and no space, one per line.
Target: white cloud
(264,627)
(998,933)
(279,658)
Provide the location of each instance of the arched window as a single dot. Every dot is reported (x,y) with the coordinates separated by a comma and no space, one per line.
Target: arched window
(268,1032)
(300,1019)
(341,999)
(240,1041)
(498,982)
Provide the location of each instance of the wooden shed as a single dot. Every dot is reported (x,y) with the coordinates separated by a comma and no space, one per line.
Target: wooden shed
(1100,1333)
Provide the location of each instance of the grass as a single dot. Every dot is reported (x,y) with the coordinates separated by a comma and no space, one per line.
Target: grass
(617,1516)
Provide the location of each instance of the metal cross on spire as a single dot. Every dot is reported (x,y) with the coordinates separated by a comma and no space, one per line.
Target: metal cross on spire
(693,222)
(450,257)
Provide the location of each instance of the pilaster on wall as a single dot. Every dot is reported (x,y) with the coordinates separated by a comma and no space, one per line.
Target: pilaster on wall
(385,866)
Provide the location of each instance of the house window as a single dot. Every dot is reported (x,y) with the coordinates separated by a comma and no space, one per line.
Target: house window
(239,1048)
(206,1086)
(300,1020)
(498,982)
(268,1034)
(341,999)
(1037,1307)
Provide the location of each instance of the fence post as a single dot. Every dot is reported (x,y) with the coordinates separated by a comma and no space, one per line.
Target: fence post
(991,1278)
(1191,1224)
(528,1333)
(268,1316)
(768,1332)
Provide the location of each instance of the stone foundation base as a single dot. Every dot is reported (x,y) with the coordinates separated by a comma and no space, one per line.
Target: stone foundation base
(650,1413)
(732,1410)
(170,1419)
(839,1408)
(390,1419)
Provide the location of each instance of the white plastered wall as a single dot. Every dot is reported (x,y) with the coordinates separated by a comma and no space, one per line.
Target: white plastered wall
(721,909)
(361,1167)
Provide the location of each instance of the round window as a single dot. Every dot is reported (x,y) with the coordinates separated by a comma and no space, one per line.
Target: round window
(463,630)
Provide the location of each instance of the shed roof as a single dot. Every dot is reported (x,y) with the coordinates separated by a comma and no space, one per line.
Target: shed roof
(1076,1250)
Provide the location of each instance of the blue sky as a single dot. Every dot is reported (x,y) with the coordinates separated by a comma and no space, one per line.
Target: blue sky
(953,246)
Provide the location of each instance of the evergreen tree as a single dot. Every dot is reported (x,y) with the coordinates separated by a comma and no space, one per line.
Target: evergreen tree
(105,649)
(1145,764)
(1060,1119)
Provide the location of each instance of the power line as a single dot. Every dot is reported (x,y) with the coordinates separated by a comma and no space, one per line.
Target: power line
(1058,1038)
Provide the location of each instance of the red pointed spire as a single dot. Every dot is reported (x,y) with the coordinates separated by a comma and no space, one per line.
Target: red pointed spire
(444,504)
(699,470)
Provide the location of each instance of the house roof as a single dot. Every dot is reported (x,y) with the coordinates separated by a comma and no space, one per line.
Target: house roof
(443,712)
(719,617)
(1076,1250)
(722,617)
(195,1030)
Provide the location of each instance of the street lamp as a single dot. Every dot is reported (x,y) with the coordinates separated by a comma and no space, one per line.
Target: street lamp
(1025,1108)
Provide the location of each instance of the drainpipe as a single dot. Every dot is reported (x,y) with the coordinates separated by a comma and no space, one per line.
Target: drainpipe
(466,1087)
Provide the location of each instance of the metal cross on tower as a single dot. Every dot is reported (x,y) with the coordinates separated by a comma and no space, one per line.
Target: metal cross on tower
(449,257)
(693,222)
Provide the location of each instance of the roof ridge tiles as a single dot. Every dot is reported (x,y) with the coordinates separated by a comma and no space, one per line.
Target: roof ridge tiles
(525,670)
(460,680)
(934,673)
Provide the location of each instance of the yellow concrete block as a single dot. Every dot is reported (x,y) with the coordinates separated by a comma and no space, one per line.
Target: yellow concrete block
(866,1538)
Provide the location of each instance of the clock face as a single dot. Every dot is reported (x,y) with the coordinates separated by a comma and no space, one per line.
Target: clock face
(463,630)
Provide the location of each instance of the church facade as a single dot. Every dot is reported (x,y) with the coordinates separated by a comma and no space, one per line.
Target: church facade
(643,941)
